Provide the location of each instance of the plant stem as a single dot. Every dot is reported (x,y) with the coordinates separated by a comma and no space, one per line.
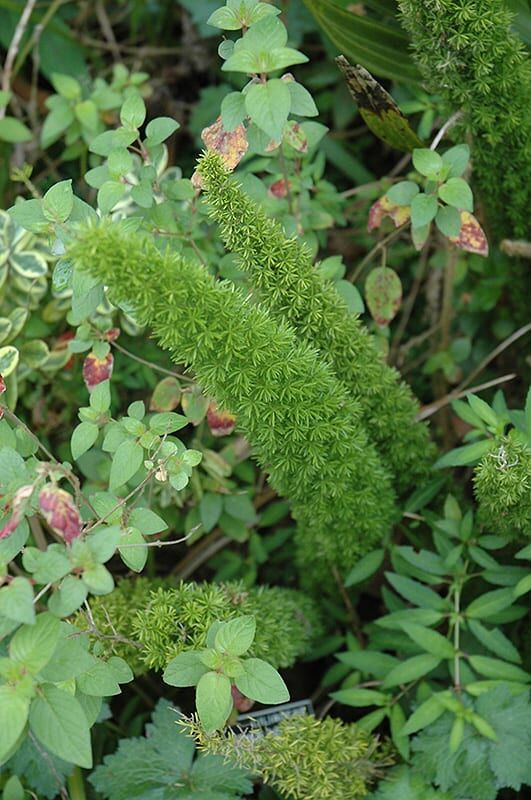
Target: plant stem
(13,48)
(76,785)
(457,631)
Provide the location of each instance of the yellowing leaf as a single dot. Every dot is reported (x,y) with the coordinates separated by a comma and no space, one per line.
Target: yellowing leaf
(471,237)
(385,208)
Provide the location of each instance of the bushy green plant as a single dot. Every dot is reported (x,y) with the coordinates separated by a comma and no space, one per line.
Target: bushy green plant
(166,618)
(304,758)
(468,54)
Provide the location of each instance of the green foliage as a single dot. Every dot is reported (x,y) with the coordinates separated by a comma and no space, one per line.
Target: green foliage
(500,440)
(442,625)
(170,619)
(282,271)
(161,764)
(304,758)
(218,668)
(478,767)
(468,54)
(311,441)
(39,769)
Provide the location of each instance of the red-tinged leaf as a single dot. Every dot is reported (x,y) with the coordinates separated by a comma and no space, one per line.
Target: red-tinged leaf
(60,512)
(2,385)
(221,423)
(166,395)
(61,343)
(295,137)
(18,505)
(112,334)
(383,292)
(385,208)
(96,370)
(231,145)
(471,236)
(241,702)
(280,188)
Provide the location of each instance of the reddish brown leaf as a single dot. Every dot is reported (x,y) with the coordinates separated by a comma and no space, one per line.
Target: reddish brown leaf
(112,334)
(231,145)
(384,208)
(241,702)
(18,505)
(221,423)
(2,385)
(166,395)
(383,292)
(60,512)
(471,236)
(96,370)
(280,188)
(295,136)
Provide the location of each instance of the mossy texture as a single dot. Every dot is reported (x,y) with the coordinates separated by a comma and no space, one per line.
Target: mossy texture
(303,758)
(159,619)
(282,271)
(305,430)
(502,485)
(469,55)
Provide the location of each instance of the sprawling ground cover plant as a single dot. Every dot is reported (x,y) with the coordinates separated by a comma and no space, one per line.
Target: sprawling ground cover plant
(203,380)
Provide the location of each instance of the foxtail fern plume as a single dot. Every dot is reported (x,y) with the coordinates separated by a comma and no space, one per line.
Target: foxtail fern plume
(303,426)
(149,622)
(502,485)
(290,286)
(304,758)
(468,54)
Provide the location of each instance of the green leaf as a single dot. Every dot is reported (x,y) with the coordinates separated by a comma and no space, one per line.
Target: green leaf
(13,717)
(424,715)
(457,159)
(106,142)
(87,114)
(483,410)
(109,194)
(16,601)
(186,669)
(350,296)
(462,456)
(494,668)
(98,579)
(68,597)
(410,670)
(167,422)
(236,636)
(56,123)
(370,662)
(126,462)
(382,48)
(104,540)
(57,720)
(427,162)
(302,103)
(58,202)
(83,438)
(210,508)
(523,586)
(119,162)
(70,659)
(225,18)
(66,86)
(425,560)
(428,640)
(233,110)
(489,603)
(360,698)
(268,105)
(261,682)
(147,521)
(133,111)
(33,645)
(402,193)
(415,592)
(133,557)
(160,129)
(494,640)
(366,566)
(457,193)
(14,131)
(448,220)
(13,789)
(423,209)
(99,680)
(213,700)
